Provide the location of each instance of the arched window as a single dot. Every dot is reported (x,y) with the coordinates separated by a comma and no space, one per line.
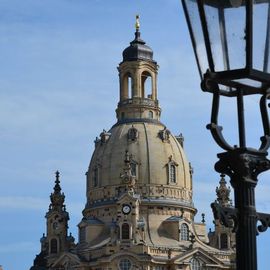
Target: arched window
(172,173)
(195,264)
(95,177)
(125,264)
(150,115)
(146,82)
(125,231)
(223,241)
(53,245)
(184,232)
(127,86)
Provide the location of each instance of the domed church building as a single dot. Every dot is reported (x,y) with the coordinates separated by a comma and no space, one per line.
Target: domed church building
(139,212)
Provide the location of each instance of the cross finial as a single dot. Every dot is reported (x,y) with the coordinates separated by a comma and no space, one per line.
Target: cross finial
(57,174)
(137,24)
(57,187)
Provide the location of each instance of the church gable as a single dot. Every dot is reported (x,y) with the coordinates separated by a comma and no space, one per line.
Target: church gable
(66,261)
(200,257)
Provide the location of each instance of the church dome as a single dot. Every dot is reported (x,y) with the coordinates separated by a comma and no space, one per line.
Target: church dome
(139,155)
(146,152)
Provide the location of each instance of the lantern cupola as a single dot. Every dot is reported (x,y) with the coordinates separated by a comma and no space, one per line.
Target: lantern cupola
(138,82)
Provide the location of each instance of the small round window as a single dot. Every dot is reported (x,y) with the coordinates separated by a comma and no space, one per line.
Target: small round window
(125,264)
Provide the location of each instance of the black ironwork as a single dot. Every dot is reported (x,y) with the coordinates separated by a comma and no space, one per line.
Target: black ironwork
(241,163)
(232,76)
(203,218)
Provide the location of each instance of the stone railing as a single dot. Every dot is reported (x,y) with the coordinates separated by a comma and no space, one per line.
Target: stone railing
(145,191)
(139,101)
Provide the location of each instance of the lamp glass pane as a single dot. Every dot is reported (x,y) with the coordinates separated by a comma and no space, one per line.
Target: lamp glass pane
(226,23)
(261,35)
(249,82)
(197,35)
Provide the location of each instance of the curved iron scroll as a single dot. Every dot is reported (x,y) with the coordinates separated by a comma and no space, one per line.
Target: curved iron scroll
(265,221)
(265,140)
(216,130)
(226,215)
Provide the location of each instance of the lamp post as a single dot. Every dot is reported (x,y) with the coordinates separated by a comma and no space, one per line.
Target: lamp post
(231,40)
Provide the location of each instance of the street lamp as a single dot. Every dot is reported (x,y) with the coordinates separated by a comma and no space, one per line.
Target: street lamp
(231,40)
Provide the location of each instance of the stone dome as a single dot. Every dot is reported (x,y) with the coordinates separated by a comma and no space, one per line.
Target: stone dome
(138,155)
(152,151)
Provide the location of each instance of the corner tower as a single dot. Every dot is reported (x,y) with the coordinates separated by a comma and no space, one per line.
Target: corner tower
(56,241)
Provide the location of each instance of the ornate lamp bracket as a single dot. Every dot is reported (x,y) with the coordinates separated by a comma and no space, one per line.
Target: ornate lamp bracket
(216,130)
(226,215)
(265,139)
(265,221)
(243,167)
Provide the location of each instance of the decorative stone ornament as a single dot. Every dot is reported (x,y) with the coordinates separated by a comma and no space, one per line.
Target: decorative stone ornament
(127,176)
(164,135)
(223,192)
(104,136)
(132,134)
(57,197)
(180,139)
(96,141)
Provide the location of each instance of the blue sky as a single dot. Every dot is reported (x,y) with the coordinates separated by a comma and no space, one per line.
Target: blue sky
(59,89)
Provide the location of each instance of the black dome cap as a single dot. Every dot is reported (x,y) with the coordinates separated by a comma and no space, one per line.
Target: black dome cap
(138,50)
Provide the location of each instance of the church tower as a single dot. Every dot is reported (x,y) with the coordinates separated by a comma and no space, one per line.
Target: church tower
(139,211)
(57,217)
(56,241)
(223,237)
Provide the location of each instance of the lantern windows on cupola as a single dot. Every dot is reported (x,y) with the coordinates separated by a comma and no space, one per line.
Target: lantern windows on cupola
(126,86)
(146,84)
